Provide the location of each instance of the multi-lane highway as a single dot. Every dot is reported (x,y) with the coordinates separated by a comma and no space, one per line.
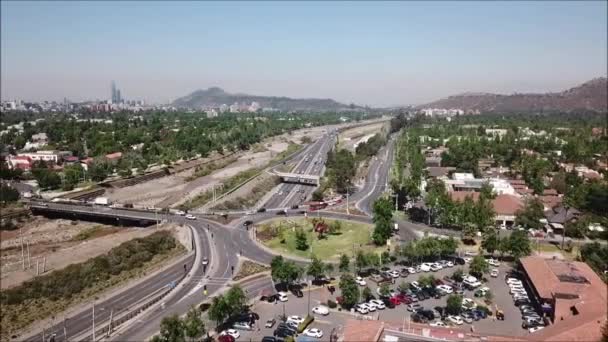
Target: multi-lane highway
(221,244)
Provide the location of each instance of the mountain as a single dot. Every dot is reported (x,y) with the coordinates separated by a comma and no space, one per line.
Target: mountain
(214,97)
(591,96)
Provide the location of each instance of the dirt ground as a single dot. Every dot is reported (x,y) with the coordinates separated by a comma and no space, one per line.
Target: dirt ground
(62,242)
(350,137)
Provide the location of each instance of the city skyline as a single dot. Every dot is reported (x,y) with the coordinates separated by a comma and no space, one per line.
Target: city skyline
(363,53)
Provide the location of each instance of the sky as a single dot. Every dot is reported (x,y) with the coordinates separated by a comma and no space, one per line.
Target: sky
(368,53)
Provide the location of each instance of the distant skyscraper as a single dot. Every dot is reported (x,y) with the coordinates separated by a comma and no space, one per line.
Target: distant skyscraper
(118,97)
(114,93)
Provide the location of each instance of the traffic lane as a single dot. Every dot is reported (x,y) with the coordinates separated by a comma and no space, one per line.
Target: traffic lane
(81,323)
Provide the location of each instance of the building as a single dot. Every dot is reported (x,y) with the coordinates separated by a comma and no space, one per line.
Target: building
(234,108)
(47,156)
(211,113)
(505,206)
(40,138)
(571,296)
(496,132)
(467,182)
(19,162)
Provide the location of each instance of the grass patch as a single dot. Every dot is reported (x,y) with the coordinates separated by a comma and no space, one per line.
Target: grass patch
(94,232)
(250,268)
(551,248)
(208,168)
(279,235)
(291,148)
(256,193)
(53,293)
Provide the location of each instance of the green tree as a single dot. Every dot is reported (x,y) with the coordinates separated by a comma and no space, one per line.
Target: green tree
(193,324)
(403,287)
(172,329)
(98,170)
(8,194)
(383,218)
(344,263)
(284,271)
(236,300)
(385,290)
(316,268)
(490,241)
(366,294)
(531,214)
(454,304)
(360,260)
(219,310)
(349,290)
(478,266)
(519,244)
(489,296)
(301,241)
(335,227)
(426,280)
(458,275)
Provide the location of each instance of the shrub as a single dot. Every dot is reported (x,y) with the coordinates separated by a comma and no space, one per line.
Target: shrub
(305,324)
(331,304)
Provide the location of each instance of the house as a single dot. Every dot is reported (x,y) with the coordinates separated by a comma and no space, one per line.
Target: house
(438,172)
(505,206)
(468,182)
(40,138)
(19,162)
(47,156)
(558,217)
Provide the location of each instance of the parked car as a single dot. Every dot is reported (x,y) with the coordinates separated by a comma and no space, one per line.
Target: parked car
(295,319)
(270,323)
(425,267)
(494,273)
(191,217)
(360,281)
(404,273)
(467,318)
(389,303)
(455,319)
(438,324)
(413,307)
(231,332)
(362,309)
(436,267)
(411,270)
(282,296)
(393,274)
(377,303)
(313,332)
(321,310)
(535,329)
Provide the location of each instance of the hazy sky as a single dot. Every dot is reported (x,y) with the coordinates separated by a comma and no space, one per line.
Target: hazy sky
(363,52)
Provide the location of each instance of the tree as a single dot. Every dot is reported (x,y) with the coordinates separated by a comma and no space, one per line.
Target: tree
(47,179)
(605,332)
(349,290)
(531,214)
(385,290)
(596,256)
(193,324)
(8,194)
(403,287)
(360,260)
(425,280)
(236,300)
(458,275)
(219,310)
(382,217)
(519,244)
(316,268)
(284,271)
(503,246)
(366,294)
(489,296)
(454,304)
(344,263)
(335,227)
(301,241)
(478,266)
(317,195)
(490,241)
(172,329)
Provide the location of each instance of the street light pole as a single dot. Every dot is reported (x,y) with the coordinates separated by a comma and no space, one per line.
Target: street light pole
(93,321)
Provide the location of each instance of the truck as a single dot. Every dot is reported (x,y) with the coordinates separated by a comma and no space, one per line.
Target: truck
(101,201)
(396,227)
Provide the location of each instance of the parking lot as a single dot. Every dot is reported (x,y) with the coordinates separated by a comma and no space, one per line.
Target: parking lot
(502,300)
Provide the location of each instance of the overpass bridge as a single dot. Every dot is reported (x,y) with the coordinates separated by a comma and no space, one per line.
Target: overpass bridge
(98,214)
(298,178)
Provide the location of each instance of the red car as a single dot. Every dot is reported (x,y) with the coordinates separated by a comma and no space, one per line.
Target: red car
(395,300)
(438,282)
(403,298)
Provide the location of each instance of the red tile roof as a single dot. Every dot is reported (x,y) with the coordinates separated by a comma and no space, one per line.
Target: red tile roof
(507,204)
(459,196)
(115,155)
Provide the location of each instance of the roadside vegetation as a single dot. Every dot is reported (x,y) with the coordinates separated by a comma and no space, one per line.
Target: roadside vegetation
(254,195)
(208,168)
(52,293)
(249,268)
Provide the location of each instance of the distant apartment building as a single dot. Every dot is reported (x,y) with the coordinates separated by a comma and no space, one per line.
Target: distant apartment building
(211,113)
(496,132)
(442,112)
(224,108)
(234,108)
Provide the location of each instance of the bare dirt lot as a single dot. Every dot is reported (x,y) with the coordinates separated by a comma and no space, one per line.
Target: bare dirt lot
(350,137)
(61,242)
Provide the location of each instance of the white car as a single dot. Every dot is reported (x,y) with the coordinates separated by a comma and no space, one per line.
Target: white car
(394,274)
(425,267)
(321,310)
(436,267)
(360,281)
(416,285)
(296,319)
(513,281)
(438,324)
(235,334)
(377,303)
(467,260)
(456,320)
(535,329)
(447,289)
(282,296)
(493,262)
(313,332)
(362,309)
(449,264)
(494,273)
(369,308)
(191,217)
(471,283)
(468,303)
(411,270)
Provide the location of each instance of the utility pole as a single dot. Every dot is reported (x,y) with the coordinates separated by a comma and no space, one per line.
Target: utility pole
(309,285)
(65,331)
(44,265)
(347,212)
(22,250)
(29,260)
(110,326)
(93,321)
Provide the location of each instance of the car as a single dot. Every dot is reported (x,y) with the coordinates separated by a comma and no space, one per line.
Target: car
(296,319)
(247,223)
(388,302)
(313,332)
(262,210)
(447,289)
(283,325)
(362,309)
(521,301)
(269,339)
(296,292)
(449,264)
(418,318)
(360,281)
(467,318)
(467,259)
(436,267)
(494,273)
(428,314)
(270,323)
(394,300)
(535,329)
(493,262)
(411,270)
(279,332)
(282,296)
(377,303)
(242,326)
(393,274)
(205,261)
(321,310)
(404,273)
(468,303)
(481,313)
(513,281)
(231,332)
(191,217)
(282,212)
(415,285)
(413,307)
(370,308)
(438,324)
(455,319)
(531,324)
(426,267)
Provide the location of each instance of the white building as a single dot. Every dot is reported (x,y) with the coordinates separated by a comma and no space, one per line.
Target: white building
(234,108)
(224,108)
(47,156)
(467,182)
(496,132)
(254,107)
(211,113)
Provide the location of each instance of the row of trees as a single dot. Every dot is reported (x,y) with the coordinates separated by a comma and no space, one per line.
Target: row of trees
(428,248)
(176,329)
(230,304)
(383,220)
(517,244)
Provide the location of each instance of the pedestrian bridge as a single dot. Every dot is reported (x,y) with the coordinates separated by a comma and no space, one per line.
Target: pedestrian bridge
(298,178)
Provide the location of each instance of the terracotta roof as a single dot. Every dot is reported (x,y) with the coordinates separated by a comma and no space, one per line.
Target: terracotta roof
(459,196)
(358,330)
(517,181)
(571,284)
(435,171)
(548,192)
(115,155)
(507,204)
(551,201)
